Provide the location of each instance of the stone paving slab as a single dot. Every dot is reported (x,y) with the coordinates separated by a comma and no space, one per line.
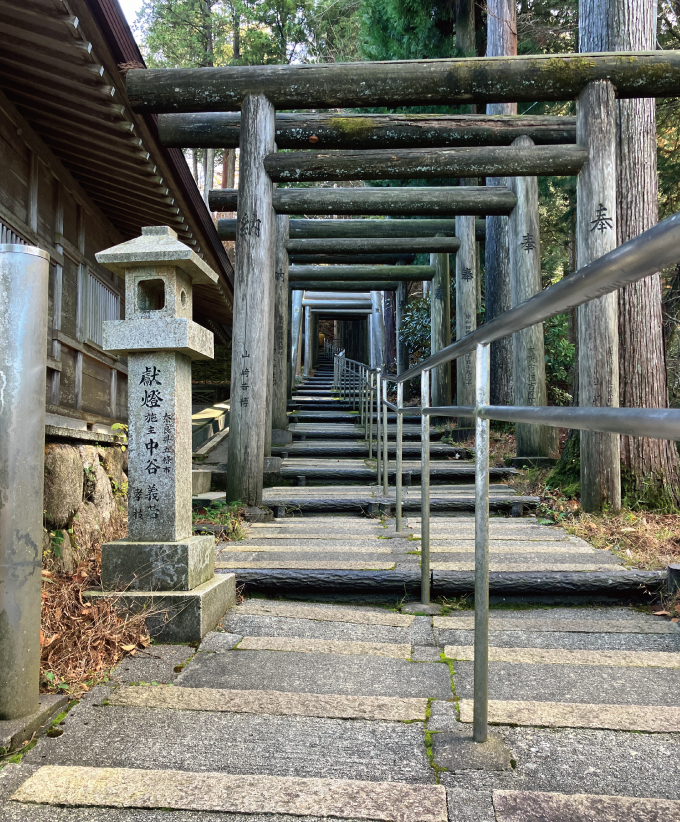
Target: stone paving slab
(528,806)
(156,663)
(368,565)
(610,626)
(644,718)
(118,737)
(392,709)
(569,640)
(521,566)
(296,610)
(178,790)
(323,646)
(318,673)
(577,683)
(518,546)
(319,546)
(561,656)
(418,634)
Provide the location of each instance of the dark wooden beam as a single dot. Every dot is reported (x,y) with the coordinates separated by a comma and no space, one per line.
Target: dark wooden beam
(376,245)
(411,163)
(405,82)
(348,259)
(345,285)
(337,229)
(477,200)
(360,272)
(221,129)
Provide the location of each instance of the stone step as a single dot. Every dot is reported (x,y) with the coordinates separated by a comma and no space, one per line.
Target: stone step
(609,626)
(78,786)
(532,806)
(352,448)
(562,656)
(273,703)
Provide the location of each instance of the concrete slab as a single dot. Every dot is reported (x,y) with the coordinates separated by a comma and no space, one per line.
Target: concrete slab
(318,673)
(116,737)
(311,564)
(560,656)
(323,646)
(294,610)
(217,642)
(127,787)
(392,709)
(157,663)
(456,751)
(577,683)
(611,626)
(568,640)
(643,718)
(529,806)
(524,566)
(298,546)
(15,731)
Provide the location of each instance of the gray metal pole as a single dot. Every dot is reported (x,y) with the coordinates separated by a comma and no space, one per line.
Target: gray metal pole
(308,342)
(399,439)
(378,443)
(24,276)
(386,455)
(425,489)
(369,416)
(481,663)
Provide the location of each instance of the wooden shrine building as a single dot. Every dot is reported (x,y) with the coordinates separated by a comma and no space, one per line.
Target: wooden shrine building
(80,172)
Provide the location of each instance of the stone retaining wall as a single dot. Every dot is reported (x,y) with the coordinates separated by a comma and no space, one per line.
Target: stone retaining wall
(85,487)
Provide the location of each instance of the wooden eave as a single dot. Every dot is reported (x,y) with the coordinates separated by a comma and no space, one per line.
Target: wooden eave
(59,66)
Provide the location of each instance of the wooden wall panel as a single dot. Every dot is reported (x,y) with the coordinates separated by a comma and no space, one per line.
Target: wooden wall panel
(69,298)
(47,203)
(70,218)
(96,388)
(14,170)
(68,378)
(122,411)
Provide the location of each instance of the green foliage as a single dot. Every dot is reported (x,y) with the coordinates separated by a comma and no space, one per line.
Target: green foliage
(648,493)
(407,29)
(559,360)
(566,475)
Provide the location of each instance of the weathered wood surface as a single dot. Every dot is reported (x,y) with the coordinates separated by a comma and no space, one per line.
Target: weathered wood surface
(598,319)
(528,344)
(280,331)
(221,129)
(375,245)
(359,272)
(349,259)
(440,327)
(344,285)
(501,41)
(253,296)
(295,338)
(308,342)
(337,229)
(473,200)
(405,82)
(399,164)
(377,331)
(400,308)
(466,311)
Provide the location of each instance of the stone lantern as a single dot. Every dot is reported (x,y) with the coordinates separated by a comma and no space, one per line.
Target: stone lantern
(161,566)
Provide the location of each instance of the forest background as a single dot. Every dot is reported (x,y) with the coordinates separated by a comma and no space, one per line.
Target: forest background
(195,33)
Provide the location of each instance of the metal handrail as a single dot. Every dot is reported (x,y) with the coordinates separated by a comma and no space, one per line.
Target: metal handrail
(641,257)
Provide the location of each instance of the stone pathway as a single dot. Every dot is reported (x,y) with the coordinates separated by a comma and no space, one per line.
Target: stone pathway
(316,711)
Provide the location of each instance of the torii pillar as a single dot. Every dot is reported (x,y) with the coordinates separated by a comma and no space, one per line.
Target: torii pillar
(253,296)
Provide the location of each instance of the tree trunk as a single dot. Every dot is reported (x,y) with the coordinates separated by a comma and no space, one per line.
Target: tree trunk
(209,171)
(390,329)
(501,41)
(642,362)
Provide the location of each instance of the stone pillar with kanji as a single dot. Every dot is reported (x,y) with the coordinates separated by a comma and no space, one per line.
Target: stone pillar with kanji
(162,566)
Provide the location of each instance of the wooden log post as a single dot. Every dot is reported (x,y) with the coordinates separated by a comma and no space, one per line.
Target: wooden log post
(427,163)
(375,245)
(367,131)
(466,312)
(405,82)
(335,273)
(378,327)
(501,41)
(440,327)
(280,358)
(476,200)
(320,229)
(402,348)
(308,341)
(296,336)
(253,296)
(598,319)
(315,341)
(350,286)
(390,315)
(525,281)
(349,259)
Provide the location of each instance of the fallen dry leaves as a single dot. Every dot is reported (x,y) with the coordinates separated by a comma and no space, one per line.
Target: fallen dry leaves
(82,639)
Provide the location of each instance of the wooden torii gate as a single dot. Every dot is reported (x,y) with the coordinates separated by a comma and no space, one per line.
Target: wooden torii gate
(592,79)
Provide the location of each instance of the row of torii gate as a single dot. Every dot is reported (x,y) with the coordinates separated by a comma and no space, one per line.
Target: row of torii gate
(197,105)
